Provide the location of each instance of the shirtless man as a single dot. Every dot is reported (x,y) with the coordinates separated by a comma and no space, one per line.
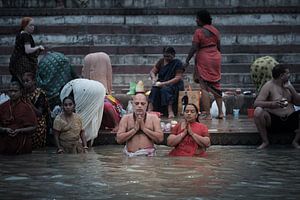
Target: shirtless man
(274,110)
(140,130)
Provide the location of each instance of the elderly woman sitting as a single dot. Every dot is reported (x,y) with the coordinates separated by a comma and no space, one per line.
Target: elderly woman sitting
(167,81)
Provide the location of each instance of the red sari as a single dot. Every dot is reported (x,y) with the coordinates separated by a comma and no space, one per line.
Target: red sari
(18,116)
(208,59)
(188,146)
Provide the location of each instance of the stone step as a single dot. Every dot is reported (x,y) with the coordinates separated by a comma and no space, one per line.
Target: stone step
(70,29)
(54,40)
(104,4)
(146,19)
(151,59)
(157,49)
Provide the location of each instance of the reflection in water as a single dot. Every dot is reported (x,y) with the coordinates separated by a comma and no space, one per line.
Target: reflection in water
(228,172)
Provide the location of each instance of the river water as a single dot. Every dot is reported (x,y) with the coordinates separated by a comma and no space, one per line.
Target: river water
(228,172)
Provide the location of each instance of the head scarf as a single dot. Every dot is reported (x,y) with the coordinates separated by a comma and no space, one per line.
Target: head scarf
(97,66)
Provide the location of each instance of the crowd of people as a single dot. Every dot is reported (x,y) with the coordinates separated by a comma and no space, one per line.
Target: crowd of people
(87,104)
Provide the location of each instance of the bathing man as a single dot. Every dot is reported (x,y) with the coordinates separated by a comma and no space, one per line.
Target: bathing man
(140,130)
(274,110)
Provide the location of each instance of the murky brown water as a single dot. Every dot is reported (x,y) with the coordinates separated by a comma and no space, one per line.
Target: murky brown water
(229,172)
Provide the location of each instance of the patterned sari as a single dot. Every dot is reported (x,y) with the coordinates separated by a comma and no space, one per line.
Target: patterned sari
(38,99)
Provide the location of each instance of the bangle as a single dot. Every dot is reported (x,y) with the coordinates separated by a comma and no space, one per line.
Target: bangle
(85,147)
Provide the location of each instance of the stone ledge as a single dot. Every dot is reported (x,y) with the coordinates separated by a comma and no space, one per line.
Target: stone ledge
(143,11)
(68,29)
(250,138)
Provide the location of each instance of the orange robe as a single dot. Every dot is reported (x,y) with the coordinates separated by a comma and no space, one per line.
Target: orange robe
(208,57)
(188,146)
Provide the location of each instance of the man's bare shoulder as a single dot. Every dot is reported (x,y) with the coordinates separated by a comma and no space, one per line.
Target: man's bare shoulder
(127,117)
(152,116)
(267,87)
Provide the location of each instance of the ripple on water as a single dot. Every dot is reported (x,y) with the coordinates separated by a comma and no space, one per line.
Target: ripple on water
(16,178)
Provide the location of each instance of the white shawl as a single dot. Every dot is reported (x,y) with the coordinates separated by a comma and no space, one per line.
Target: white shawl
(89,99)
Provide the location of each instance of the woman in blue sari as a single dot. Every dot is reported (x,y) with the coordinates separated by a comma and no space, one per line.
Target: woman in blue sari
(167,81)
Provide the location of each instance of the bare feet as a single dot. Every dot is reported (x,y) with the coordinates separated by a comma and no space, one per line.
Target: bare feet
(171,115)
(220,116)
(296,145)
(263,145)
(205,116)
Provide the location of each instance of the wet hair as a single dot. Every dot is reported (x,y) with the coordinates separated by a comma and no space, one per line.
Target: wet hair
(169,50)
(278,70)
(204,16)
(197,111)
(68,97)
(24,22)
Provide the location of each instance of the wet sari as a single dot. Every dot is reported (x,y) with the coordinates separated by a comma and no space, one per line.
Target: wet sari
(18,116)
(69,133)
(188,146)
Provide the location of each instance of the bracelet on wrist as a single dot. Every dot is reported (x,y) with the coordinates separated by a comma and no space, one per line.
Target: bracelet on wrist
(85,147)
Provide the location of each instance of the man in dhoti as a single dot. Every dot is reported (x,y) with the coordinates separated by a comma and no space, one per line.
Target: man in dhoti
(139,130)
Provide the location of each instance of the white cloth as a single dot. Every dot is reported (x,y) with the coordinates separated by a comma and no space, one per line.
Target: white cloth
(89,99)
(141,152)
(214,111)
(3,98)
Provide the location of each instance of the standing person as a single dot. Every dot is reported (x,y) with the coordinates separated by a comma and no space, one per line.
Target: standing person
(54,71)
(97,66)
(167,81)
(24,56)
(89,102)
(17,123)
(274,107)
(37,97)
(139,130)
(189,137)
(206,45)
(68,129)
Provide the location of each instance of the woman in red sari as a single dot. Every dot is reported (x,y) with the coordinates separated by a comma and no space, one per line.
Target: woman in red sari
(189,137)
(206,45)
(17,123)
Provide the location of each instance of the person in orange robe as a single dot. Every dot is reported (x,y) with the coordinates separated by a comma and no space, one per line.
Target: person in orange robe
(189,137)
(206,45)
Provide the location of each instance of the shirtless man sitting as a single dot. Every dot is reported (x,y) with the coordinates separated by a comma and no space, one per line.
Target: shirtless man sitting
(274,110)
(140,130)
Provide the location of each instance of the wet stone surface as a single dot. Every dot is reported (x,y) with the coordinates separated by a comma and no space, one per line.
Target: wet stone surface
(228,172)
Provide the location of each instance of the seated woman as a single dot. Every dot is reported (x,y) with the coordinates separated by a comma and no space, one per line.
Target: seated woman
(189,137)
(112,113)
(37,98)
(68,129)
(168,83)
(17,123)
